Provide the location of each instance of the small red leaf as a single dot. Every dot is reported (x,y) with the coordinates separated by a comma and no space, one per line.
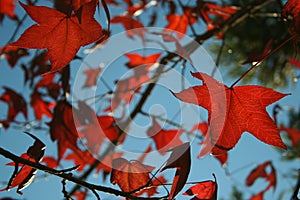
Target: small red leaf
(180,159)
(206,190)
(7,7)
(180,23)
(164,139)
(40,106)
(130,175)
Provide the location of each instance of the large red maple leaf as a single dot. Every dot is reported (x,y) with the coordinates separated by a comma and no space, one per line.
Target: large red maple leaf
(62,35)
(233,111)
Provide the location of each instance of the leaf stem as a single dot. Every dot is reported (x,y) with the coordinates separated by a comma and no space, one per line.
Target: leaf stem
(262,59)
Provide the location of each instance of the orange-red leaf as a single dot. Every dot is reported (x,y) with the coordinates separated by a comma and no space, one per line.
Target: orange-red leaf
(130,175)
(40,106)
(239,109)
(164,139)
(180,23)
(206,190)
(60,34)
(180,159)
(136,60)
(7,7)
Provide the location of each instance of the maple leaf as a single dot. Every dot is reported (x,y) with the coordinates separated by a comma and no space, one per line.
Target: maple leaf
(63,129)
(244,110)
(130,175)
(13,54)
(133,26)
(62,35)
(164,139)
(180,23)
(137,60)
(293,134)
(180,159)
(292,8)
(259,171)
(126,88)
(50,162)
(7,7)
(40,106)
(81,158)
(206,190)
(16,103)
(91,76)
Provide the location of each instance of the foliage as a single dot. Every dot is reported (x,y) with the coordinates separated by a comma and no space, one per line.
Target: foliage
(252,41)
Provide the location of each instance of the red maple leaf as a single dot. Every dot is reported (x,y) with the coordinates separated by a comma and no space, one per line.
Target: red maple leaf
(91,76)
(130,175)
(62,35)
(261,172)
(180,23)
(7,7)
(244,109)
(203,127)
(63,129)
(13,54)
(136,60)
(164,139)
(16,103)
(180,159)
(81,195)
(133,26)
(81,158)
(292,8)
(206,190)
(293,134)
(40,106)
